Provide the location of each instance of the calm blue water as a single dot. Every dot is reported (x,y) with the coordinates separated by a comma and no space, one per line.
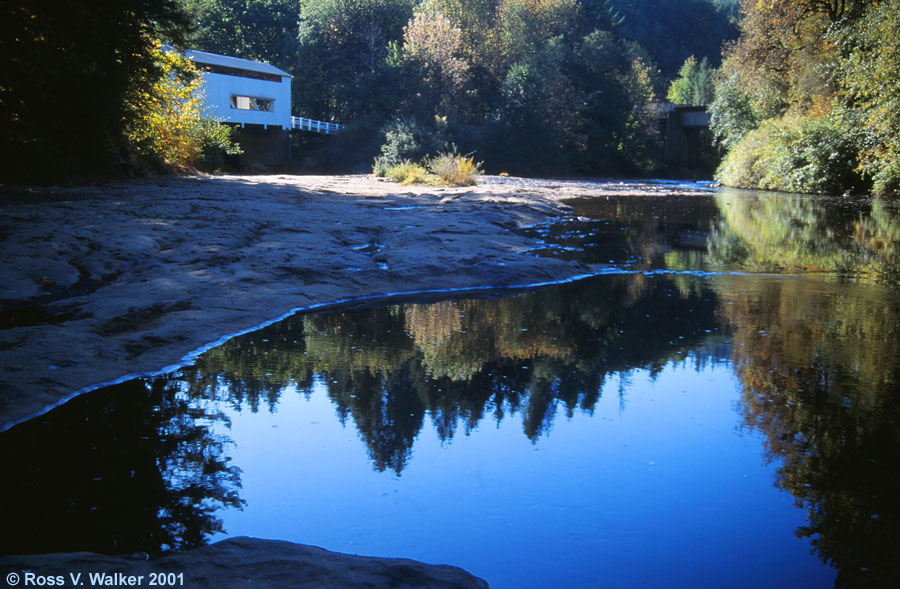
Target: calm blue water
(658,489)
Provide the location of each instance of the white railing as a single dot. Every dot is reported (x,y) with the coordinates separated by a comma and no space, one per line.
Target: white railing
(304,124)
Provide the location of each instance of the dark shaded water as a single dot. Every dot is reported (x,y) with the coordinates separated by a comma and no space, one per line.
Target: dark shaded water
(722,409)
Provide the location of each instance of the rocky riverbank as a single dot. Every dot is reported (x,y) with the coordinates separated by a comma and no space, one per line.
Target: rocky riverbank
(100,282)
(236,562)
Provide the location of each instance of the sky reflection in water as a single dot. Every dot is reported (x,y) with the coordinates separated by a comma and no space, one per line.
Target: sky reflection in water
(656,490)
(638,430)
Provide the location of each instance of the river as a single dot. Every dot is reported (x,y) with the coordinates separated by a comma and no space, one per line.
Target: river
(718,407)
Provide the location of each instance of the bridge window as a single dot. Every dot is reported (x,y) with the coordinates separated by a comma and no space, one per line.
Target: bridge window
(251,103)
(240,72)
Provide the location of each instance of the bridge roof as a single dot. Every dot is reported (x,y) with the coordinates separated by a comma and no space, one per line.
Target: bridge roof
(234,62)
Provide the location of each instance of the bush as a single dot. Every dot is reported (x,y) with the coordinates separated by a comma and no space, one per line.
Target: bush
(406,173)
(455,169)
(796,154)
(744,165)
(405,139)
(381,166)
(447,168)
(215,141)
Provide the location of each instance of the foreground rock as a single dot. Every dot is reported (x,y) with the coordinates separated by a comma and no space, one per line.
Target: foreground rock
(244,562)
(101,282)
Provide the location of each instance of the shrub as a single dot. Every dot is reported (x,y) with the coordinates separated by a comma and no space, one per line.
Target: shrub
(406,173)
(455,169)
(745,164)
(405,139)
(215,141)
(381,166)
(816,155)
(796,154)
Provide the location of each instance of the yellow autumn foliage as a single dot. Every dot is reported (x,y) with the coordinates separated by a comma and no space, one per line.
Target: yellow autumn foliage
(166,122)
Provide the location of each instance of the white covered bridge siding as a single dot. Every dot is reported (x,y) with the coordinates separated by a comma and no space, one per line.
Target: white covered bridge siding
(255,96)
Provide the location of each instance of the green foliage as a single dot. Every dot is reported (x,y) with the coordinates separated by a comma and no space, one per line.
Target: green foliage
(448,168)
(343,52)
(694,85)
(638,144)
(262,30)
(541,86)
(380,167)
(405,139)
(795,154)
(673,30)
(534,86)
(870,79)
(406,172)
(820,80)
(215,141)
(731,111)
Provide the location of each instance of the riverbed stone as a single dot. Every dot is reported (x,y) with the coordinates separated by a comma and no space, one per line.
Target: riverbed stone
(241,562)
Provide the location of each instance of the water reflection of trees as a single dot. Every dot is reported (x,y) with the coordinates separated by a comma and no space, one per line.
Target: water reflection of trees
(820,369)
(126,469)
(646,232)
(389,368)
(851,238)
(858,238)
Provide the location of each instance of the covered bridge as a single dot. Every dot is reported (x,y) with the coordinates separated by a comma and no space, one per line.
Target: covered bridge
(256,97)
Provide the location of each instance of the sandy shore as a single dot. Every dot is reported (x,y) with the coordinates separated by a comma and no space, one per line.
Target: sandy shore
(102,282)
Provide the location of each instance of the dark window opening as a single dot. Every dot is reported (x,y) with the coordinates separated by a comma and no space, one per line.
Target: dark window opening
(251,103)
(233,71)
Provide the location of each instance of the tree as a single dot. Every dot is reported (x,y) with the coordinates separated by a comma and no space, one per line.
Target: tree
(673,30)
(796,90)
(532,86)
(435,45)
(166,124)
(343,48)
(261,30)
(66,74)
(870,80)
(731,111)
(694,85)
